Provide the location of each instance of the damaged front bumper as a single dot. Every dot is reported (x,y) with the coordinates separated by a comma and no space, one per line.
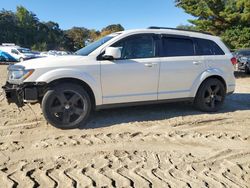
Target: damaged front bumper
(26,92)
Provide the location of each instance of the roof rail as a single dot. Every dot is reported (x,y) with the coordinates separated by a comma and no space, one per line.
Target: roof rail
(8,44)
(179,29)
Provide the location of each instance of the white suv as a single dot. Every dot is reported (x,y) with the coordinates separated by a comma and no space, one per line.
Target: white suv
(126,68)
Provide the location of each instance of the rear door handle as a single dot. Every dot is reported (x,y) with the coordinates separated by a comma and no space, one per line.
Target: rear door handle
(197,62)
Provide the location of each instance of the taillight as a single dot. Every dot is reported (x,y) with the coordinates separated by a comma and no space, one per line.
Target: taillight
(234,61)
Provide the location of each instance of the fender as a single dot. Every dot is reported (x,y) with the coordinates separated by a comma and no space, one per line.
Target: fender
(94,83)
(203,76)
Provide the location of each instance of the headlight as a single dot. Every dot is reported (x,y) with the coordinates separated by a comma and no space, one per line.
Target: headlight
(17,74)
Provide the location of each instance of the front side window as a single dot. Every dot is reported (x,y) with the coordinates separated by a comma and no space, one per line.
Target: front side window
(14,51)
(177,47)
(140,46)
(207,47)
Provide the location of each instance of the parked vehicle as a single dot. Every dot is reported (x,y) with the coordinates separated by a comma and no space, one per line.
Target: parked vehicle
(243,58)
(132,67)
(20,54)
(5,57)
(55,53)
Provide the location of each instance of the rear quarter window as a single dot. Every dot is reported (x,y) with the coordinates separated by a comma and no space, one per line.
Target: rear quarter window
(207,47)
(174,46)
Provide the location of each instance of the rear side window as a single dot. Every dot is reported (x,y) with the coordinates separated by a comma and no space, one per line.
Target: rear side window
(207,47)
(177,47)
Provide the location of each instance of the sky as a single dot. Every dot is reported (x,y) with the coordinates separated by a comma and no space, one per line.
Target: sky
(97,14)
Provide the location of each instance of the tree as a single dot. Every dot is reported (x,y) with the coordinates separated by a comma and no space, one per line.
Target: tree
(8,27)
(187,27)
(111,29)
(78,35)
(220,17)
(27,23)
(25,29)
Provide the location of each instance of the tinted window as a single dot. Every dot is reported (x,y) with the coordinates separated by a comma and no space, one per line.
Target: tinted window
(140,46)
(177,47)
(207,47)
(14,51)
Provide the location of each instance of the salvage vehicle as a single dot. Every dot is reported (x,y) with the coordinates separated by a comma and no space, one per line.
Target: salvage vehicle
(127,68)
(243,57)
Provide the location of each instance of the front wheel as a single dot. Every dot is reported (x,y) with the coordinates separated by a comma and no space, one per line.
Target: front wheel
(66,106)
(210,96)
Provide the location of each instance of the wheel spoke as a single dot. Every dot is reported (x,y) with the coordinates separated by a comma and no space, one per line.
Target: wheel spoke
(218,98)
(209,89)
(74,99)
(207,99)
(78,111)
(217,89)
(62,98)
(66,117)
(212,103)
(56,109)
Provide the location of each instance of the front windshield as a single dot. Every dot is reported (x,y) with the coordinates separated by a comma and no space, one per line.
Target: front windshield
(24,50)
(93,46)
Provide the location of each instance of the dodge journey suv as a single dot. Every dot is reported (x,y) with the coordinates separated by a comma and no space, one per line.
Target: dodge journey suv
(132,67)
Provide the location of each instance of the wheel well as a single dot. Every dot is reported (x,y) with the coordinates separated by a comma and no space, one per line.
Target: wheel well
(217,77)
(75,81)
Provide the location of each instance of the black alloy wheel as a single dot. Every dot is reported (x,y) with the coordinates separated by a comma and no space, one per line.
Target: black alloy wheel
(66,106)
(210,96)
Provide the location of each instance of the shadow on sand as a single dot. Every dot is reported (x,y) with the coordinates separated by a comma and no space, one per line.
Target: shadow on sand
(109,117)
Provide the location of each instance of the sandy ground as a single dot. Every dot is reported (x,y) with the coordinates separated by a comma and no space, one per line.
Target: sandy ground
(169,145)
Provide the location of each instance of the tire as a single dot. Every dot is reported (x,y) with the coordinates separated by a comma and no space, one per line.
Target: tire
(247,70)
(66,106)
(21,59)
(210,96)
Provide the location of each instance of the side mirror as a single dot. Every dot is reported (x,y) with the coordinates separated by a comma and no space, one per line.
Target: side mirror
(112,53)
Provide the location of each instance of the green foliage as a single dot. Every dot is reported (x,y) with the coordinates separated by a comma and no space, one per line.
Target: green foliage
(24,28)
(187,27)
(237,37)
(78,35)
(226,18)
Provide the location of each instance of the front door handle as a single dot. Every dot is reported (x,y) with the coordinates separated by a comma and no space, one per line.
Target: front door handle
(150,64)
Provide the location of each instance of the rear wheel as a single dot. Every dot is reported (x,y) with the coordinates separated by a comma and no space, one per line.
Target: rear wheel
(247,70)
(21,59)
(210,96)
(66,106)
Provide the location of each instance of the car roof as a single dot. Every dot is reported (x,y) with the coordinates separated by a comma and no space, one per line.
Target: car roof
(171,32)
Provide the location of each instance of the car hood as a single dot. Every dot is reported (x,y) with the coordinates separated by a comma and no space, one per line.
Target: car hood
(54,61)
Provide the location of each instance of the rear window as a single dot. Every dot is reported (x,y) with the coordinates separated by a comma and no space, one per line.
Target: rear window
(207,47)
(177,47)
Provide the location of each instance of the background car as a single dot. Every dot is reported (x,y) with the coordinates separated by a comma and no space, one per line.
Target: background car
(244,64)
(243,59)
(18,52)
(5,57)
